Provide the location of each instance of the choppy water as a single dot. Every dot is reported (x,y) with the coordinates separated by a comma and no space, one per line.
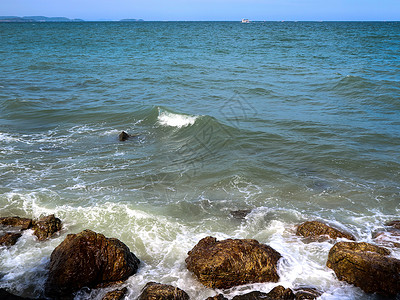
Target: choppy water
(293,121)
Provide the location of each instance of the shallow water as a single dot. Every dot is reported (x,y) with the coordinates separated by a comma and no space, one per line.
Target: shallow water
(292,121)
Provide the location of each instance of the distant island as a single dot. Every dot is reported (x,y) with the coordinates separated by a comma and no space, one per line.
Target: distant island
(14,19)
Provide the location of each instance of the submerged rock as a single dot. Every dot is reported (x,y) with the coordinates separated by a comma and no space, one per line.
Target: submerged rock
(4,295)
(87,259)
(366,266)
(21,223)
(277,293)
(217,297)
(45,227)
(9,238)
(228,263)
(307,293)
(240,214)
(395,224)
(123,136)
(315,229)
(158,291)
(389,238)
(116,294)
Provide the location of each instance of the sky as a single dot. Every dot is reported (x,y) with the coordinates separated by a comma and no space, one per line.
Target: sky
(207,10)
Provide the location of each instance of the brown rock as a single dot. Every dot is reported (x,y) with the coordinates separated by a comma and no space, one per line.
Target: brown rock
(366,266)
(123,136)
(116,295)
(395,224)
(46,227)
(228,263)
(314,229)
(87,259)
(22,223)
(217,297)
(9,238)
(158,291)
(307,293)
(389,238)
(277,293)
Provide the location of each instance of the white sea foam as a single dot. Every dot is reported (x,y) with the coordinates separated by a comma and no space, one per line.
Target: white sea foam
(175,120)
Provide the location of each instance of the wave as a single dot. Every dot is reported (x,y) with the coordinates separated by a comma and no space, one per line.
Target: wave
(166,118)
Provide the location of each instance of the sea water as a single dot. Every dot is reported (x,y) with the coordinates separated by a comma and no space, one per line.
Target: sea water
(288,121)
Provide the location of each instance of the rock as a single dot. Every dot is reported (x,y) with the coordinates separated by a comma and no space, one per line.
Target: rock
(46,227)
(4,295)
(395,224)
(307,293)
(366,266)
(22,223)
(217,297)
(228,263)
(158,291)
(87,259)
(277,293)
(315,229)
(9,238)
(240,214)
(389,238)
(116,294)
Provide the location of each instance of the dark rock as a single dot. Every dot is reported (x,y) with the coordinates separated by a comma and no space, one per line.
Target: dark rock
(116,294)
(87,259)
(315,229)
(4,295)
(277,293)
(240,214)
(158,291)
(307,293)
(22,223)
(123,136)
(228,263)
(395,224)
(366,266)
(217,297)
(46,227)
(9,239)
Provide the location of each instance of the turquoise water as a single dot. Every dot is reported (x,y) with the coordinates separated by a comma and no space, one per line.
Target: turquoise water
(291,121)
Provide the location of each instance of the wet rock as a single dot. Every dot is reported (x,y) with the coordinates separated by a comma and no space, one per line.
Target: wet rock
(366,266)
(389,238)
(228,263)
(158,291)
(315,229)
(9,238)
(123,136)
(240,214)
(277,293)
(21,223)
(45,227)
(217,297)
(307,293)
(395,224)
(4,295)
(87,259)
(116,294)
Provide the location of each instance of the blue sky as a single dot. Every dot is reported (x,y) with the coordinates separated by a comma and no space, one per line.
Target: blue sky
(153,10)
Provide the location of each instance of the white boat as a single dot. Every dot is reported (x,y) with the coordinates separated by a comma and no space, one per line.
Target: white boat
(245,21)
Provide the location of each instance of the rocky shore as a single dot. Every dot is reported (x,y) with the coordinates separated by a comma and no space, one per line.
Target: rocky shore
(90,260)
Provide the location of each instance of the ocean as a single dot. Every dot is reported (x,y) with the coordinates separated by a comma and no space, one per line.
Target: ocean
(243,131)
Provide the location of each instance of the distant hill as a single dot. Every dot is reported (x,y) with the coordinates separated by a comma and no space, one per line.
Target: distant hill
(131,20)
(37,19)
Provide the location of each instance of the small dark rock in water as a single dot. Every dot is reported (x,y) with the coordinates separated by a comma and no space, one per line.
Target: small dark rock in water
(366,266)
(4,295)
(88,259)
(46,227)
(22,223)
(256,295)
(116,294)
(240,214)
(158,291)
(228,263)
(307,293)
(315,229)
(9,239)
(217,297)
(395,224)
